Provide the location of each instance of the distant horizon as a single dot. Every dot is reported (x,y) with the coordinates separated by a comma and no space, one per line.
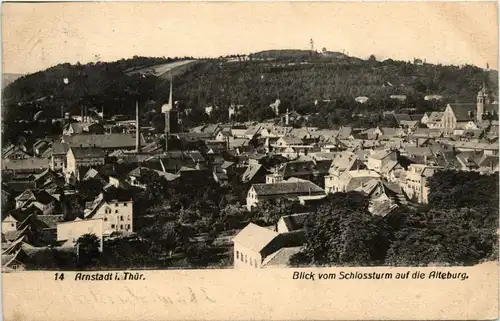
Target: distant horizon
(245,54)
(37,36)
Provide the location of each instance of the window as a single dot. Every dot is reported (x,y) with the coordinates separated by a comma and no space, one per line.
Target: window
(237,254)
(116,211)
(105,219)
(121,218)
(128,226)
(121,227)
(125,204)
(112,225)
(116,204)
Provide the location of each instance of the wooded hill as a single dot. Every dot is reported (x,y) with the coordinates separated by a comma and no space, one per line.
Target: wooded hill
(298,78)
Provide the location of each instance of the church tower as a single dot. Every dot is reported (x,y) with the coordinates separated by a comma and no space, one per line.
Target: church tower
(482,99)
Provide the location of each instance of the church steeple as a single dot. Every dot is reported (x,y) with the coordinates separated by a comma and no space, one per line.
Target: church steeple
(482,99)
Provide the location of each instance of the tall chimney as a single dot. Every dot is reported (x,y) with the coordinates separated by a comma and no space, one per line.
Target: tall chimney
(167,113)
(137,128)
(82,113)
(286,117)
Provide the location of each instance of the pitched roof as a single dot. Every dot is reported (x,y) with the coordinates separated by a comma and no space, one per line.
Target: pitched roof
(250,172)
(117,140)
(85,152)
(380,154)
(295,221)
(50,221)
(296,188)
(344,161)
(462,110)
(255,237)
(281,258)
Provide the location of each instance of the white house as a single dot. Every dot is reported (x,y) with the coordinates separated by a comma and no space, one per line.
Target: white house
(378,158)
(116,212)
(70,232)
(416,181)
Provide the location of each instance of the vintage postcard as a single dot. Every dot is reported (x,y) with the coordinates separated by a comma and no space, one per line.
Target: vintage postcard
(250,160)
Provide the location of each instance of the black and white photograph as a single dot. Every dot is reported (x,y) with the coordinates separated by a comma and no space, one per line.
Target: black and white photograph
(197,135)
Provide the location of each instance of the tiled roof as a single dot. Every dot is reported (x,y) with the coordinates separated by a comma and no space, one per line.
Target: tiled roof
(295,221)
(50,221)
(343,161)
(295,188)
(84,152)
(250,172)
(281,258)
(380,154)
(117,140)
(255,237)
(462,111)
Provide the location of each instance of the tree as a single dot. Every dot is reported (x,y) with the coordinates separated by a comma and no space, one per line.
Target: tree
(270,211)
(342,232)
(88,250)
(199,254)
(156,186)
(457,189)
(443,236)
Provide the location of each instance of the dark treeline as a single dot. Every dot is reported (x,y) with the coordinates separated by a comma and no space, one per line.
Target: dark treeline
(459,226)
(325,85)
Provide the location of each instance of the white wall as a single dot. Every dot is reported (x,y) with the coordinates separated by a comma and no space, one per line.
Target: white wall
(117,216)
(74,229)
(245,258)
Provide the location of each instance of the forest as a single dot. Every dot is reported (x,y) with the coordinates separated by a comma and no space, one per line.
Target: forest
(297,81)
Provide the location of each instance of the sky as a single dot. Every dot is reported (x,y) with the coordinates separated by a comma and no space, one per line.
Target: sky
(36,36)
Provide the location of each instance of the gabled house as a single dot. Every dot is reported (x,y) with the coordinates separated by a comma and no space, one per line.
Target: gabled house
(378,158)
(384,197)
(350,180)
(292,189)
(84,156)
(416,181)
(15,152)
(255,173)
(260,247)
(115,208)
(38,198)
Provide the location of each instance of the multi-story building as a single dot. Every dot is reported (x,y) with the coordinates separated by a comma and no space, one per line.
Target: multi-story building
(83,156)
(115,209)
(416,181)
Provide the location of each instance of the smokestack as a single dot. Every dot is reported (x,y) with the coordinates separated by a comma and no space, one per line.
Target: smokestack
(167,113)
(82,113)
(137,128)
(85,119)
(286,117)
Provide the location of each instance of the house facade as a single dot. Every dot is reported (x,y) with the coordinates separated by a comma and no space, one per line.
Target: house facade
(70,232)
(83,156)
(116,212)
(416,182)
